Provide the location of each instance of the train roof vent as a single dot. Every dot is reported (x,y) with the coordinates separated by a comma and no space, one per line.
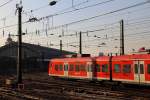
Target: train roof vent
(77,55)
(101,54)
(83,55)
(70,56)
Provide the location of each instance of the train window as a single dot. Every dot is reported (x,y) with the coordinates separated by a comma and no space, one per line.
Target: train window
(148,68)
(105,68)
(97,67)
(77,68)
(56,67)
(82,68)
(60,67)
(117,68)
(141,69)
(127,68)
(71,68)
(136,68)
(66,67)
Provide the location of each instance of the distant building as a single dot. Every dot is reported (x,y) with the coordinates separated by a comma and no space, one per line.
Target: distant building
(31,50)
(33,56)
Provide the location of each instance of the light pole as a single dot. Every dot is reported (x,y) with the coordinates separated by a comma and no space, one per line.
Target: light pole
(19,56)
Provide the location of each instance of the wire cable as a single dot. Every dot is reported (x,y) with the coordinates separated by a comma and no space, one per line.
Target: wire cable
(76,9)
(6,3)
(108,13)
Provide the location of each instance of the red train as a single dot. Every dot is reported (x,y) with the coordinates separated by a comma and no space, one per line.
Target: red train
(134,69)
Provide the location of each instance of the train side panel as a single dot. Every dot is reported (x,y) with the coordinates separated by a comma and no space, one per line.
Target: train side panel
(122,70)
(147,71)
(77,69)
(102,68)
(80,68)
(117,70)
(56,68)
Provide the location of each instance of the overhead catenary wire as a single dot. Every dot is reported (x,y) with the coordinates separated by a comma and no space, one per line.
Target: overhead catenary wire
(39,8)
(33,10)
(44,6)
(55,27)
(89,41)
(125,8)
(95,30)
(127,35)
(76,9)
(110,27)
(6,3)
(108,13)
(129,24)
(145,17)
(13,25)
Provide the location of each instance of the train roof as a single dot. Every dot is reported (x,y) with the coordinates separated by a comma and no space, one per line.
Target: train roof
(79,59)
(134,57)
(125,57)
(104,58)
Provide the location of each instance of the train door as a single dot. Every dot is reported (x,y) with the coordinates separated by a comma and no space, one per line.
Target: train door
(139,75)
(66,69)
(90,70)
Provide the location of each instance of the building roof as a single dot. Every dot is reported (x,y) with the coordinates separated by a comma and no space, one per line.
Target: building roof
(32,50)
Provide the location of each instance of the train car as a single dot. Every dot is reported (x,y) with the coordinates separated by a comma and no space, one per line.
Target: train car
(134,69)
(78,67)
(122,68)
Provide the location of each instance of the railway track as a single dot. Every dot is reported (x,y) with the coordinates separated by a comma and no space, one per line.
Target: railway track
(15,95)
(93,90)
(42,87)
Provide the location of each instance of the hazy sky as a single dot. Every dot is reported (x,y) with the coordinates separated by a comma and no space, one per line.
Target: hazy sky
(67,18)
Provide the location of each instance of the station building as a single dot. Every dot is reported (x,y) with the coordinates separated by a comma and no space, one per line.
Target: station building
(34,57)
